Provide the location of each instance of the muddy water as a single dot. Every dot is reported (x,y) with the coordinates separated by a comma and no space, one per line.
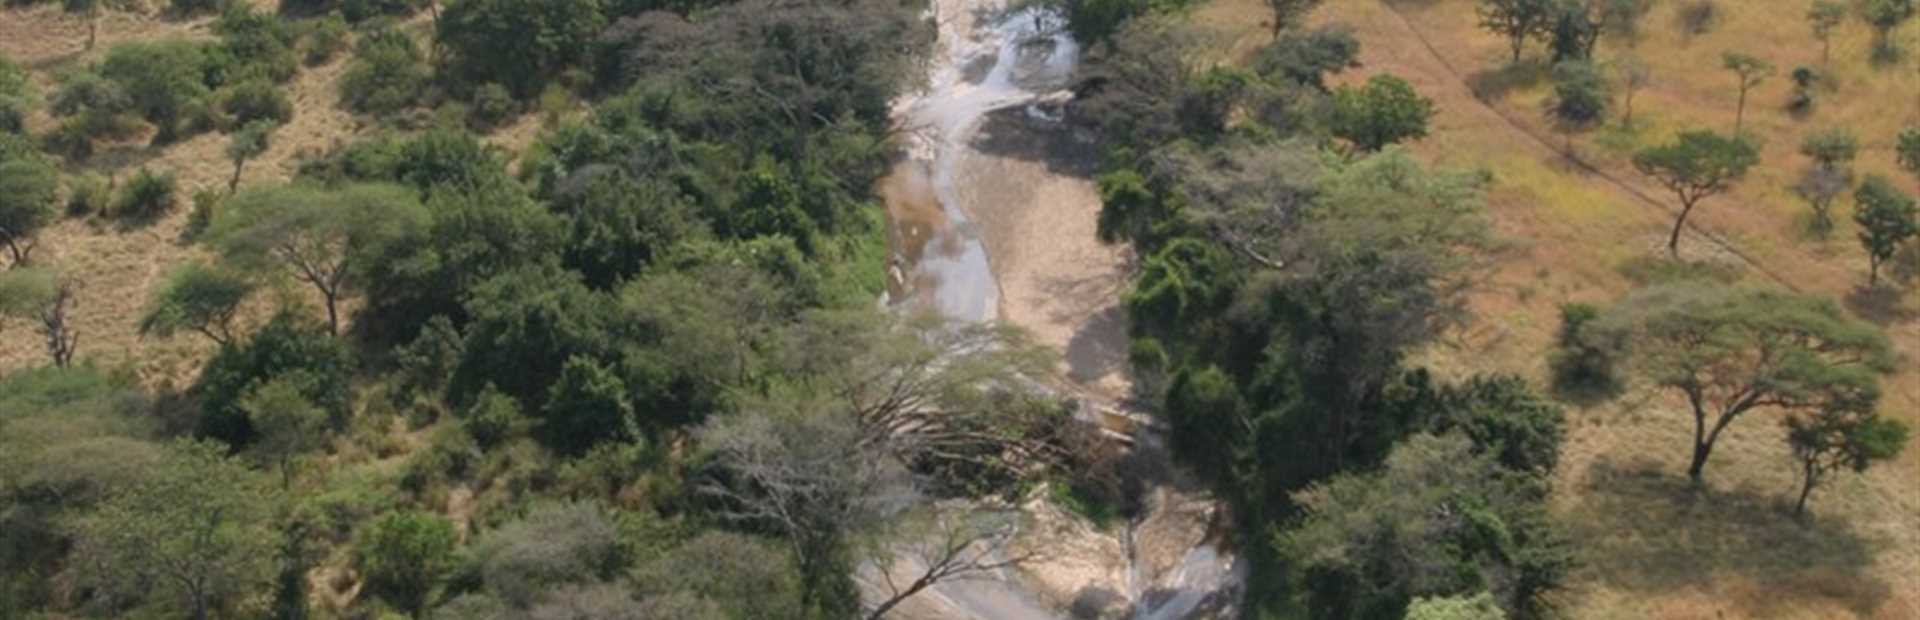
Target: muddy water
(955,204)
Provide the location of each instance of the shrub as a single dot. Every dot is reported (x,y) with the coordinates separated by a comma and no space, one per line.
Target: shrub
(492,106)
(404,555)
(147,196)
(326,38)
(494,417)
(87,194)
(553,545)
(1696,17)
(205,201)
(1584,357)
(255,100)
(253,45)
(387,74)
(522,43)
(196,7)
(285,347)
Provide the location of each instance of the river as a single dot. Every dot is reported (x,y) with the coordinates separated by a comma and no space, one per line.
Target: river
(947,201)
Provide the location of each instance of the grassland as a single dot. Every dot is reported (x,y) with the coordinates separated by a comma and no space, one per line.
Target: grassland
(1653,546)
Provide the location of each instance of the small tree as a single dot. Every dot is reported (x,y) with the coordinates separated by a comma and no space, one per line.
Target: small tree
(1823,17)
(198,297)
(1385,111)
(1288,12)
(285,424)
(1886,217)
(319,235)
(1833,149)
(1731,351)
(1827,441)
(91,11)
(1751,70)
(1579,99)
(1633,74)
(43,297)
(1907,150)
(1576,30)
(196,529)
(244,145)
(1820,187)
(404,555)
(1884,16)
(1622,17)
(1696,165)
(28,188)
(1517,20)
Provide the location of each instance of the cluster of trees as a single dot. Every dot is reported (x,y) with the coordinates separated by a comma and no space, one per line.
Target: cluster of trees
(664,316)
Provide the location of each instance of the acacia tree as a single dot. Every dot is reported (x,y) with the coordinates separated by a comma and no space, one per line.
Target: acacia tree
(42,296)
(1517,20)
(196,528)
(1827,441)
(1697,164)
(244,145)
(1832,148)
(1288,12)
(285,423)
(28,188)
(1731,351)
(1884,16)
(198,297)
(1907,150)
(1820,187)
(1385,111)
(1751,70)
(1823,17)
(321,236)
(1887,219)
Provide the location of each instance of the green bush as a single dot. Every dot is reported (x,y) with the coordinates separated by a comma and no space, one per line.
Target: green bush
(492,106)
(1584,356)
(387,73)
(256,100)
(147,196)
(205,201)
(326,38)
(285,348)
(404,555)
(196,7)
(87,194)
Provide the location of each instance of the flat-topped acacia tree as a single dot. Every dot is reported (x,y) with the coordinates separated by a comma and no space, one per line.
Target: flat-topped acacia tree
(1697,164)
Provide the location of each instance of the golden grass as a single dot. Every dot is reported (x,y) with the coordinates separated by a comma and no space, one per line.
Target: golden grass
(1654,547)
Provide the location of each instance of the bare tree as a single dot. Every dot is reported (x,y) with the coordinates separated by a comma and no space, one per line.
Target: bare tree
(951,545)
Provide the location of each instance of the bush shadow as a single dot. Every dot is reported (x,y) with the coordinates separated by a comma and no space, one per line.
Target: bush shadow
(1491,85)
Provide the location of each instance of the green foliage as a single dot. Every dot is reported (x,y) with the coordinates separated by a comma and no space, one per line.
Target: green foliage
(521,43)
(188,8)
(741,576)
(1822,17)
(323,237)
(1580,96)
(1477,607)
(87,194)
(194,529)
(553,545)
(353,11)
(1517,20)
(256,101)
(1697,164)
(284,349)
(1584,360)
(146,196)
(1887,219)
(325,38)
(254,46)
(404,555)
(1884,16)
(285,423)
(619,226)
(1096,21)
(17,97)
(387,73)
(162,79)
(1697,17)
(526,325)
(1832,148)
(1731,351)
(1752,70)
(1907,150)
(1384,111)
(198,297)
(493,106)
(28,188)
(1206,413)
(1830,440)
(1474,526)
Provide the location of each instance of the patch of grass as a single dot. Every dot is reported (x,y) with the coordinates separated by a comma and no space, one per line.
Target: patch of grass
(1103,514)
(1650,270)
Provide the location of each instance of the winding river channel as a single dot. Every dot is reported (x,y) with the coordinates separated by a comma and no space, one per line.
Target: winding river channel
(997,72)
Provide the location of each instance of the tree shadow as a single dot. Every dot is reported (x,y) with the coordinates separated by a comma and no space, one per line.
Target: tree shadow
(1494,84)
(1647,529)
(1883,305)
(1035,132)
(1099,347)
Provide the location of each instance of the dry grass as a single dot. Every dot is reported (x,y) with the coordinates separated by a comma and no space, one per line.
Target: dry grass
(1655,547)
(118,267)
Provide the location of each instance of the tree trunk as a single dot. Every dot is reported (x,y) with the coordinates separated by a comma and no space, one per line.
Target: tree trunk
(1740,112)
(1806,488)
(1701,448)
(93,27)
(1873,270)
(1627,119)
(333,313)
(233,184)
(1519,43)
(199,607)
(1673,240)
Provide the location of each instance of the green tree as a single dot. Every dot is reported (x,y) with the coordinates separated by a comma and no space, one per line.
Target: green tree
(1633,74)
(521,43)
(285,423)
(1477,607)
(1471,525)
(386,74)
(1751,70)
(319,236)
(404,556)
(587,404)
(1289,12)
(1517,20)
(1695,165)
(1907,150)
(244,145)
(285,348)
(1575,30)
(1832,148)
(1385,111)
(1579,98)
(1829,440)
(1884,16)
(162,79)
(28,188)
(199,297)
(1887,218)
(1823,16)
(43,297)
(196,528)
(1731,351)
